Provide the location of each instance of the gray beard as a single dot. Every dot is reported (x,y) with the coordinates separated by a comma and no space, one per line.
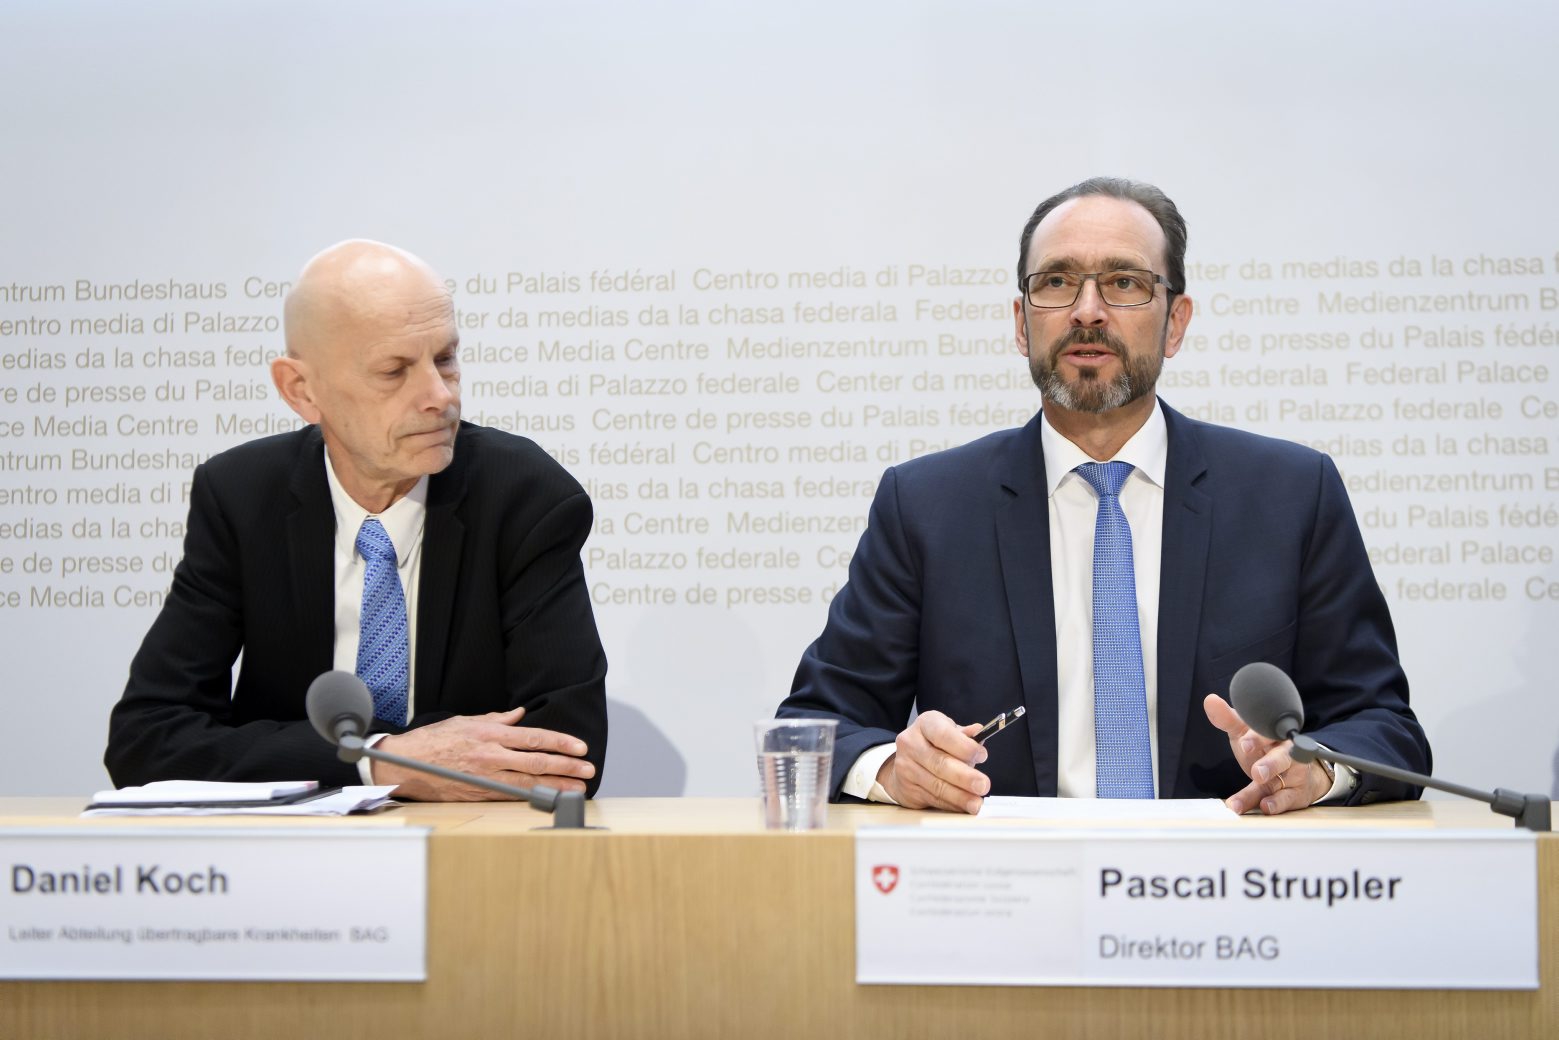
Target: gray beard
(1088,393)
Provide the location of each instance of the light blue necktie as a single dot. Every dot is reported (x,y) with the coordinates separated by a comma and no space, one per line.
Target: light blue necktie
(383,656)
(1123,755)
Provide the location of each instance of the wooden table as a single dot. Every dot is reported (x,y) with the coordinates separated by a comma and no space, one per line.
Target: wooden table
(684,919)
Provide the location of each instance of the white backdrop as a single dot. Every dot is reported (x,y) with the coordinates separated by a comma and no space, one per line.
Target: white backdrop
(729,261)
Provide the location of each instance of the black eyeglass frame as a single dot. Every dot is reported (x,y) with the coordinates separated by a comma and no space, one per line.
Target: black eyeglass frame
(1082,279)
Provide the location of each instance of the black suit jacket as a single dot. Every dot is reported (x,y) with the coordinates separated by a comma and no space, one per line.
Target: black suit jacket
(949,606)
(503,614)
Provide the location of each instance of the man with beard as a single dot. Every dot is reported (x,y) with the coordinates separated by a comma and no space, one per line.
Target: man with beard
(437,560)
(1108,567)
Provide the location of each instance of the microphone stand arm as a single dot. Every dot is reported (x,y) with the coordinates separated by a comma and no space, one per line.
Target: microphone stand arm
(567,807)
(1532,811)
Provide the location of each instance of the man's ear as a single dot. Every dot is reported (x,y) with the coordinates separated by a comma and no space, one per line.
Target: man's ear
(1177,319)
(1020,327)
(291,377)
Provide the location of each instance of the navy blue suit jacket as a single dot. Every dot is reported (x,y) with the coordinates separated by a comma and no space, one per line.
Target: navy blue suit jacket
(949,607)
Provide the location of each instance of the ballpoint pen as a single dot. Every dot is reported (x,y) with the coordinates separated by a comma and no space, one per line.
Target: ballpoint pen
(999,723)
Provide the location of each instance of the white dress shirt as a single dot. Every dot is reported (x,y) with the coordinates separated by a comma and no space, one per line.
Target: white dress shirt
(1073,510)
(403,522)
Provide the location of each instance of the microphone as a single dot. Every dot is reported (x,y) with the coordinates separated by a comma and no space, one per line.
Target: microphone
(1268,701)
(340,707)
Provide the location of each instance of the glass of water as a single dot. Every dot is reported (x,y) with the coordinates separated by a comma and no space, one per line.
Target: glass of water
(794,760)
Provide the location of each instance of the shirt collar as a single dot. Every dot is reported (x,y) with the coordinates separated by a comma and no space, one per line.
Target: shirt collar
(402,521)
(1147,451)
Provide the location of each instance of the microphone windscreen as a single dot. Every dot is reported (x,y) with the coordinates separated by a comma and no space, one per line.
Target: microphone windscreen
(1267,700)
(335,697)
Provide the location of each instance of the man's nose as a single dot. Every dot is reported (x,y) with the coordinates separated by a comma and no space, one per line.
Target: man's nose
(1089,310)
(434,391)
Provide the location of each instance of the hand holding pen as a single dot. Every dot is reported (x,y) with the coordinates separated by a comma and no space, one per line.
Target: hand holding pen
(934,760)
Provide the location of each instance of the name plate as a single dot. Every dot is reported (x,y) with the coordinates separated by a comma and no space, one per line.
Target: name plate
(1439,910)
(147,903)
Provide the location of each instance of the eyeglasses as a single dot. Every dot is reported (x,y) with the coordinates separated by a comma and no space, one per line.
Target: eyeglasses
(1122,288)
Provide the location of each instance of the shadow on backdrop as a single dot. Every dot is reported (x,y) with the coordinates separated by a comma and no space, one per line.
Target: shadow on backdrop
(1554,790)
(641,761)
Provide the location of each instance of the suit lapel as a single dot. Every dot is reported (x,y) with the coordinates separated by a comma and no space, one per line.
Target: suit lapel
(1188,524)
(443,536)
(311,532)
(1023,542)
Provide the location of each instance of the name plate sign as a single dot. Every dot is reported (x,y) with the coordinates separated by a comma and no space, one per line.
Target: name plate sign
(1439,910)
(256,903)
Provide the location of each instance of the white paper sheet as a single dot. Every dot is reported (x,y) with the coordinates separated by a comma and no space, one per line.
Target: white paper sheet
(347,800)
(1154,810)
(202,791)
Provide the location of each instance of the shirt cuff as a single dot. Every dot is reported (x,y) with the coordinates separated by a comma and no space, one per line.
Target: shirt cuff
(365,766)
(861,781)
(1344,780)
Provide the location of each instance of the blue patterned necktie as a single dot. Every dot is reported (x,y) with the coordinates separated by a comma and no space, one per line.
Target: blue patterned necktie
(383,656)
(1123,765)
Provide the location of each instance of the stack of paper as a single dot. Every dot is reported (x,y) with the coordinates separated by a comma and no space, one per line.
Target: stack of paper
(203,792)
(200,798)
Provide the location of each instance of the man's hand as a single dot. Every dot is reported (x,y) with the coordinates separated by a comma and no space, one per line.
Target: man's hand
(1278,783)
(932,766)
(492,746)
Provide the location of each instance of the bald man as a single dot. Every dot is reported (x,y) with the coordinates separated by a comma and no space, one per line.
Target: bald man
(437,560)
